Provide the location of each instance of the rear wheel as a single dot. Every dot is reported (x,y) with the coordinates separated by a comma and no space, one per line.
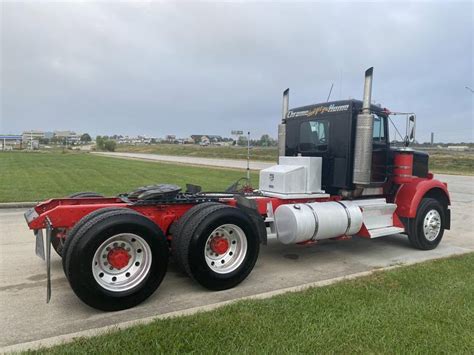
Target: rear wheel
(116,259)
(74,231)
(58,240)
(177,229)
(218,247)
(426,230)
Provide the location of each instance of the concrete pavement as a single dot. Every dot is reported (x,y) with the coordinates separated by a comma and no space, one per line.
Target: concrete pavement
(25,316)
(223,163)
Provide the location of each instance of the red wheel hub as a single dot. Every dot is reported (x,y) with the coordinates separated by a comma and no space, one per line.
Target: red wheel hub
(118,258)
(219,245)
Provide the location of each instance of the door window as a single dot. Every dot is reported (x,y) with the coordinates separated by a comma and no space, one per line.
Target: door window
(379,129)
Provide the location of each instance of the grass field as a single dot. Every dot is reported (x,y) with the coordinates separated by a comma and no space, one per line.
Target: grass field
(33,176)
(441,161)
(26,176)
(423,309)
(452,162)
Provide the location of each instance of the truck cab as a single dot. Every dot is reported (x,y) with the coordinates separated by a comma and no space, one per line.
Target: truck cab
(328,131)
(352,138)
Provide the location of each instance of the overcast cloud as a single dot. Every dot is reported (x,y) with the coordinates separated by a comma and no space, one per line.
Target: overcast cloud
(168,68)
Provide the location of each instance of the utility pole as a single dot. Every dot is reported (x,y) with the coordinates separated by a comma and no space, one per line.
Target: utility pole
(432,138)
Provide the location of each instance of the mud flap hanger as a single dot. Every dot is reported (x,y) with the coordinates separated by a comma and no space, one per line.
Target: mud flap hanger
(250,208)
(45,255)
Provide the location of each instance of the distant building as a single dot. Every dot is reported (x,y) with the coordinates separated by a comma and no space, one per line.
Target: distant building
(34,135)
(206,139)
(188,140)
(70,137)
(10,141)
(460,148)
(170,138)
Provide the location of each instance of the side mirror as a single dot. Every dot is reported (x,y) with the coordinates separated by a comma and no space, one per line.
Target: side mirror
(410,133)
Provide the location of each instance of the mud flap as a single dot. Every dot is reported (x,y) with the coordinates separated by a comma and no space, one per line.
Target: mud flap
(39,247)
(447,222)
(49,229)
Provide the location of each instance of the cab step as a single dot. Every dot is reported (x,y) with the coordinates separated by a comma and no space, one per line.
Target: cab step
(381,232)
(377,215)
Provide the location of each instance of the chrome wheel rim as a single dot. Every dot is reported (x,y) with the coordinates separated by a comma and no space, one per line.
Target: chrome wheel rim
(225,260)
(122,262)
(432,225)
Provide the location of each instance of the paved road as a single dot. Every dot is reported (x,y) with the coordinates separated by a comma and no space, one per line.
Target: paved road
(26,317)
(223,163)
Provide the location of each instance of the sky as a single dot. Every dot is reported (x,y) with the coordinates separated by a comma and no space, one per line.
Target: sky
(208,68)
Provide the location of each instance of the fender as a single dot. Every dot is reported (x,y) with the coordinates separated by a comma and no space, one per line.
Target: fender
(409,195)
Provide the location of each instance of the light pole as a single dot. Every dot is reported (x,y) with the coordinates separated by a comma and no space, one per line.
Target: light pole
(248,156)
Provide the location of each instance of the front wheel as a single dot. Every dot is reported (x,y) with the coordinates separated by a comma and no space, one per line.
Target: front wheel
(426,230)
(116,260)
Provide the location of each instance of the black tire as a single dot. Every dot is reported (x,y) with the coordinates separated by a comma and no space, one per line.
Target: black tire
(85,194)
(71,234)
(415,226)
(57,243)
(87,240)
(176,229)
(192,244)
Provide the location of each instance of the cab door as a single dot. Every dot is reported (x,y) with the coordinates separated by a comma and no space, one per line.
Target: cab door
(380,149)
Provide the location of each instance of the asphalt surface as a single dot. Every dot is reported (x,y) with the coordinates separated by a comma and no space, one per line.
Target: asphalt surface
(25,316)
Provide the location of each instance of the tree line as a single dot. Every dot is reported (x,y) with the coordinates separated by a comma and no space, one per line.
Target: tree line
(264,141)
(105,143)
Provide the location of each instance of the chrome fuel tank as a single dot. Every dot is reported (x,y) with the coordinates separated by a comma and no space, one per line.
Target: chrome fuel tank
(296,223)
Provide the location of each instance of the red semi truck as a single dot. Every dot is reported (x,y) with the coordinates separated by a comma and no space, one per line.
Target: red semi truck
(337,177)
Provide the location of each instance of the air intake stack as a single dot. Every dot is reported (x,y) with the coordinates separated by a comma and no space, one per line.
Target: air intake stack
(282,125)
(363,137)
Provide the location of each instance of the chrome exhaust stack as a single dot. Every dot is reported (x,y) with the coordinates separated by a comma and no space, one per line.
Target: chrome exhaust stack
(363,137)
(369,74)
(282,125)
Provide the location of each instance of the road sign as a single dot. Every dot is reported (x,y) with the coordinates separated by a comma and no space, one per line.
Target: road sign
(237,133)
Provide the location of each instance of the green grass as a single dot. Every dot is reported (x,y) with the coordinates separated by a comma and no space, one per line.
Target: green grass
(452,162)
(426,308)
(33,176)
(26,176)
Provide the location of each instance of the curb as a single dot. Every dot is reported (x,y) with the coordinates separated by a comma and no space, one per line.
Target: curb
(17,204)
(66,338)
